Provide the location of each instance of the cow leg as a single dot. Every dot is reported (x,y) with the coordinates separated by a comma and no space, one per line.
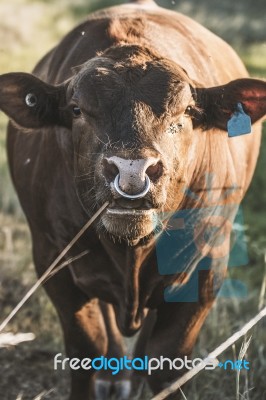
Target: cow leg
(81,320)
(139,377)
(176,329)
(106,384)
(85,339)
(181,336)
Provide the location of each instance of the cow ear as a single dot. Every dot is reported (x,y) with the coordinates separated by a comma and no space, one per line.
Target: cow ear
(32,103)
(220,103)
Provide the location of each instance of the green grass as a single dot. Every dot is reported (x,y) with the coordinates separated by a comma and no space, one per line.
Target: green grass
(254,57)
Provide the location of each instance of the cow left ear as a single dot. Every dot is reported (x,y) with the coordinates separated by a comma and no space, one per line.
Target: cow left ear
(32,103)
(220,103)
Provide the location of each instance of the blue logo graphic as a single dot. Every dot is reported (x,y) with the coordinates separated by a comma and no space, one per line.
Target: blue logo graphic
(234,365)
(208,237)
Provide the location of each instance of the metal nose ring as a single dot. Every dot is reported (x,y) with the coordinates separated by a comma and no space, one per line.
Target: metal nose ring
(132,196)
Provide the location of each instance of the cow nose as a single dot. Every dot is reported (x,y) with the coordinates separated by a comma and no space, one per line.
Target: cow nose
(131,178)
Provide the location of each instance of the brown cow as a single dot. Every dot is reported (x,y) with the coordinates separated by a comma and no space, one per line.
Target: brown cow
(131,107)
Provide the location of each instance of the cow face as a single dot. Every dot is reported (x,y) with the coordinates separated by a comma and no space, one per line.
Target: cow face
(132,132)
(138,124)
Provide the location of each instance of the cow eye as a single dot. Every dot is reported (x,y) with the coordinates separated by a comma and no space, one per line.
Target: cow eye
(76,111)
(188,110)
(194,112)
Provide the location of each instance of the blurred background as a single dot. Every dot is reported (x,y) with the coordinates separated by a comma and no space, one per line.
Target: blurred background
(28,29)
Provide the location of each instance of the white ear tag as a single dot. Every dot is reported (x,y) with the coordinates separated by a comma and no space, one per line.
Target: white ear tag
(239,123)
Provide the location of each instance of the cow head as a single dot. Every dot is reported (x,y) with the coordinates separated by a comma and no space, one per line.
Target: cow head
(139,127)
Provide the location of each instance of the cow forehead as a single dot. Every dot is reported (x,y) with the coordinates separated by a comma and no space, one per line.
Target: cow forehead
(103,83)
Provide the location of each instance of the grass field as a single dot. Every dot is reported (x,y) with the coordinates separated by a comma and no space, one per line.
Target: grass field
(30,28)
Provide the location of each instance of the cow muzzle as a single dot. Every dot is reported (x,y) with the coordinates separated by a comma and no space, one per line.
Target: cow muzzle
(132,213)
(131,179)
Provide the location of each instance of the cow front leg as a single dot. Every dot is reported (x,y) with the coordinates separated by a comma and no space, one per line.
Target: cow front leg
(84,334)
(81,320)
(175,332)
(138,378)
(108,385)
(86,338)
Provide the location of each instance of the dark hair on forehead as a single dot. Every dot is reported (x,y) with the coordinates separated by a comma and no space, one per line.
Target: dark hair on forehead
(132,52)
(135,56)
(133,73)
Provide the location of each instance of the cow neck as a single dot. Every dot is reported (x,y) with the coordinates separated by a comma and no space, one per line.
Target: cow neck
(130,260)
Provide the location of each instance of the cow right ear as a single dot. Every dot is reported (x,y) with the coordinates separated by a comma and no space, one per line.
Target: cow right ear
(32,103)
(218,104)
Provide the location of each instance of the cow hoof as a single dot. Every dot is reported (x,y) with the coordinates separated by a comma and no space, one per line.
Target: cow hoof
(106,390)
(137,389)
(122,390)
(102,389)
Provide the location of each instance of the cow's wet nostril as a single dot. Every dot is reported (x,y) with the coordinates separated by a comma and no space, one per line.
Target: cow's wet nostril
(155,171)
(110,170)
